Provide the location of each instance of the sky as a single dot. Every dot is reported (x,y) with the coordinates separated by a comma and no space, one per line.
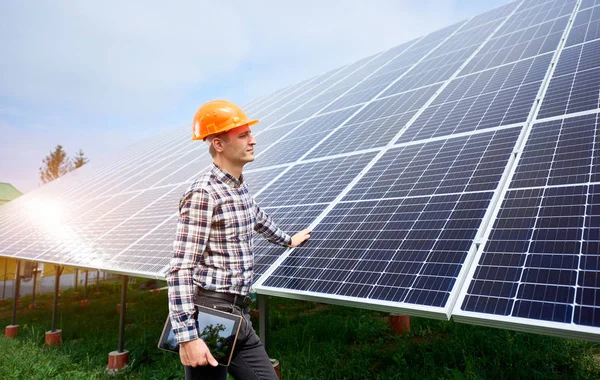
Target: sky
(99,76)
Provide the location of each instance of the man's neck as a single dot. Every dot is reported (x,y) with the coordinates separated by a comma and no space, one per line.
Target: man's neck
(229,168)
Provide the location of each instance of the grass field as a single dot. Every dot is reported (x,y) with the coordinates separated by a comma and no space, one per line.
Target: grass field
(311,341)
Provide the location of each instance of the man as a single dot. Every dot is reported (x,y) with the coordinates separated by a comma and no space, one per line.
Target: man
(213,259)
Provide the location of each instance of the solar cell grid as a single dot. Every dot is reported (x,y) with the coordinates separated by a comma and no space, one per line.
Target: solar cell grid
(589,3)
(490,16)
(526,43)
(477,110)
(407,255)
(394,69)
(575,85)
(465,38)
(330,176)
(297,142)
(559,152)
(462,164)
(532,266)
(314,106)
(586,26)
(532,14)
(376,124)
(324,85)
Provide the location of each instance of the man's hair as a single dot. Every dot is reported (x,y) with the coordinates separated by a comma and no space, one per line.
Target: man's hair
(210,138)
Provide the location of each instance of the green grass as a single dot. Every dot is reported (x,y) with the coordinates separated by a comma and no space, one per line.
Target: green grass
(311,341)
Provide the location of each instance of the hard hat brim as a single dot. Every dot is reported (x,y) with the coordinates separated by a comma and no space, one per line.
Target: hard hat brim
(249,124)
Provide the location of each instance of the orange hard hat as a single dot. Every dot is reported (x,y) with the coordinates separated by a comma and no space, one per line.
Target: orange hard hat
(218,116)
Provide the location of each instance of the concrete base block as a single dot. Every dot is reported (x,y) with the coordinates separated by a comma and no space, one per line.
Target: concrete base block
(84,303)
(32,306)
(400,323)
(11,331)
(75,294)
(117,361)
(53,338)
(18,303)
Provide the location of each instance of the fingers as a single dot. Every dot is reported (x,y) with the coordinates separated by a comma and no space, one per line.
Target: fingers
(211,360)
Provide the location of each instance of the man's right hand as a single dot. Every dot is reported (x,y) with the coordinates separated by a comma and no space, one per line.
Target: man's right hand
(195,353)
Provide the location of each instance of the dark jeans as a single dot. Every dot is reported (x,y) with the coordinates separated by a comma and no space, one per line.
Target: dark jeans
(249,361)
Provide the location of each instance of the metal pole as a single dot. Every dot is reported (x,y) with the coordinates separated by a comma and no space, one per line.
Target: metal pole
(263,319)
(76,278)
(5,275)
(122,320)
(34,282)
(98,281)
(17,290)
(55,306)
(86,282)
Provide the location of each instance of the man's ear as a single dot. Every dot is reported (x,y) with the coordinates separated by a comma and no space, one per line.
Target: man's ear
(218,144)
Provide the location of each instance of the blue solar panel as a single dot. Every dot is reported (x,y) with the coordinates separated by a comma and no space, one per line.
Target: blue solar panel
(539,39)
(376,124)
(294,143)
(540,261)
(586,26)
(559,152)
(530,267)
(575,85)
(487,99)
(403,231)
(330,177)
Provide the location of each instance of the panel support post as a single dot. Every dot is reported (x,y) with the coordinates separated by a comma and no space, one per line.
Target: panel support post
(5,275)
(85,290)
(263,319)
(17,291)
(35,273)
(118,360)
(53,337)
(13,328)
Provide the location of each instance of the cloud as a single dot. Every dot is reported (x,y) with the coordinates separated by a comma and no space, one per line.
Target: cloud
(101,75)
(135,56)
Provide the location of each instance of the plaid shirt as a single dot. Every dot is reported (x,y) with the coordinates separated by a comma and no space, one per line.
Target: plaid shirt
(213,245)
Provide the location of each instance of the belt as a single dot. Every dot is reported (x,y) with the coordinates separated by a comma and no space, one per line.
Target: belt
(236,299)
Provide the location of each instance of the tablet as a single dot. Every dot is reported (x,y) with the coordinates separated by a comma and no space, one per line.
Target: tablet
(218,329)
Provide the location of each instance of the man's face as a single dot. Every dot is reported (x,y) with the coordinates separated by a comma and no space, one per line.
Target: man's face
(239,146)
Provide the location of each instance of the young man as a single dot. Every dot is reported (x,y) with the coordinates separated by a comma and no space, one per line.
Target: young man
(213,259)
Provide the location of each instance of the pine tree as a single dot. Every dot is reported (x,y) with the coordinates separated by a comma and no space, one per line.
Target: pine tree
(79,160)
(55,165)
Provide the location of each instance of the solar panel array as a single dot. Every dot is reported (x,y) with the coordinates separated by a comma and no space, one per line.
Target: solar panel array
(457,174)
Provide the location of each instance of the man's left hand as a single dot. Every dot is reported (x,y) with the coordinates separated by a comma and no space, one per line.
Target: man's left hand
(300,237)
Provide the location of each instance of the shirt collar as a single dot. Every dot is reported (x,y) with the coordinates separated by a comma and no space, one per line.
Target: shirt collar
(227,178)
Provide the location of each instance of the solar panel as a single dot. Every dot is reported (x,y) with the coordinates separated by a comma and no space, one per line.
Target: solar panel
(407,212)
(574,86)
(455,174)
(540,260)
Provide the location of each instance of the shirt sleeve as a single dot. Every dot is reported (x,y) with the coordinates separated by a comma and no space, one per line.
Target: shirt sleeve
(266,227)
(193,229)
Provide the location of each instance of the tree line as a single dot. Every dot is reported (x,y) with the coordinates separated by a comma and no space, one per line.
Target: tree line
(57,164)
